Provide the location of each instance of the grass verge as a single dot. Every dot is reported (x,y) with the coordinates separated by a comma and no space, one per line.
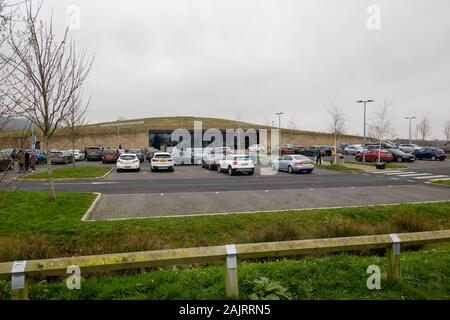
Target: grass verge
(339,167)
(32,227)
(72,173)
(389,165)
(442,182)
(425,275)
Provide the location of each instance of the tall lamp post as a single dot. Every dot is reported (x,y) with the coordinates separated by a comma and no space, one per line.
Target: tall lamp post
(410,120)
(279,119)
(364,145)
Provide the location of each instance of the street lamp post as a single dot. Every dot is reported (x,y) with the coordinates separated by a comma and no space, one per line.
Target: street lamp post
(410,120)
(279,119)
(364,145)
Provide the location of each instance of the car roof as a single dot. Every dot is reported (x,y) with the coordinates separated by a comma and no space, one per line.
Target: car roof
(128,154)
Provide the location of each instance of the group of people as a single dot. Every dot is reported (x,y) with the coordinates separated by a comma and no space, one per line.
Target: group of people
(26,161)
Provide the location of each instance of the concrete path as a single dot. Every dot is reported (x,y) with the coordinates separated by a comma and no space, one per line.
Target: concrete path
(179,204)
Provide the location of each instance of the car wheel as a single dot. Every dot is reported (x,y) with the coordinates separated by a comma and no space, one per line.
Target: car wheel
(399,159)
(433,158)
(309,171)
(290,170)
(250,173)
(230,171)
(117,170)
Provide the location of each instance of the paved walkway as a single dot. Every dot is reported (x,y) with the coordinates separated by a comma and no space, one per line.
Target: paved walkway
(179,204)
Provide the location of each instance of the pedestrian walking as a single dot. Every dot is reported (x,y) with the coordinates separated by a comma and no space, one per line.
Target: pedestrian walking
(318,156)
(33,161)
(27,161)
(21,160)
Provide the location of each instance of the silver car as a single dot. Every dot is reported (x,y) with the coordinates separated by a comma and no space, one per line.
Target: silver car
(294,163)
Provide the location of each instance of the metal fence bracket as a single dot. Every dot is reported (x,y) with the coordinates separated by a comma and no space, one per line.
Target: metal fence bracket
(395,243)
(18,275)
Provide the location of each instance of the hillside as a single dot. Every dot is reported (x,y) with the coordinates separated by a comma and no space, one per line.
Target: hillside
(136,133)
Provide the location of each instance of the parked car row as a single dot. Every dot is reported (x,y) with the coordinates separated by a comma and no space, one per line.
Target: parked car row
(374,153)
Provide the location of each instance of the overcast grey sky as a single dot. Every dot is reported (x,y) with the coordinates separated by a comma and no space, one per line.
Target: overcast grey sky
(216,58)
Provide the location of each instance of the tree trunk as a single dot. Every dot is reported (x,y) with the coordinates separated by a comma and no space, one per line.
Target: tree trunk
(73,147)
(51,183)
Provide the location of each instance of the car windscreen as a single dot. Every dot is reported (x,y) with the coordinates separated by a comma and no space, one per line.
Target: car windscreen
(128,157)
(135,151)
(56,154)
(242,158)
(300,158)
(109,151)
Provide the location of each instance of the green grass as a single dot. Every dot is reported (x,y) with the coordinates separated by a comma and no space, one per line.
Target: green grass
(442,182)
(72,173)
(33,227)
(425,275)
(338,167)
(389,165)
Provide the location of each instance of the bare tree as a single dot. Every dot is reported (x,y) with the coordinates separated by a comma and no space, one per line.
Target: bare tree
(76,119)
(424,128)
(447,131)
(45,75)
(381,126)
(336,126)
(292,124)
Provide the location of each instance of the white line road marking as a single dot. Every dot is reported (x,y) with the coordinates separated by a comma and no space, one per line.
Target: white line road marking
(431,177)
(395,178)
(442,179)
(103,182)
(415,174)
(387,172)
(393,174)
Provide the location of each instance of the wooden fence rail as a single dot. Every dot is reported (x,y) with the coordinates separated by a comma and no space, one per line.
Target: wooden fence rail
(20,271)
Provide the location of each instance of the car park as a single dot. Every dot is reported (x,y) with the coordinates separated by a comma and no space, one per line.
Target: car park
(60,157)
(430,153)
(138,153)
(162,161)
(93,153)
(293,163)
(234,163)
(110,155)
(400,156)
(128,161)
(409,148)
(352,150)
(372,155)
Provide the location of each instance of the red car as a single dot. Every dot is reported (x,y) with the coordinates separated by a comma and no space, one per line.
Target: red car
(372,155)
(110,155)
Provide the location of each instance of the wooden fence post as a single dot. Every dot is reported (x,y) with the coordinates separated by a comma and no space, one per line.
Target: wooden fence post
(393,258)
(19,288)
(231,273)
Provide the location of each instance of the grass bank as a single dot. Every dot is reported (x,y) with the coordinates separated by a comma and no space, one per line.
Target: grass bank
(425,275)
(32,227)
(442,182)
(339,167)
(72,173)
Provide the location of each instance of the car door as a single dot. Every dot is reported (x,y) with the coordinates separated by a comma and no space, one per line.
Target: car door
(282,163)
(287,162)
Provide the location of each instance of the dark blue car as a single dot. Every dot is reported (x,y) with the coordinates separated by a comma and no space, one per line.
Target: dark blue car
(40,156)
(430,153)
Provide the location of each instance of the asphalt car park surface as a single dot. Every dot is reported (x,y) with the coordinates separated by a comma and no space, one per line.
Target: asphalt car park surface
(195,190)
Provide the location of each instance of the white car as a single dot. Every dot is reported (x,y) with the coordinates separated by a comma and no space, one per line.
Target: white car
(236,163)
(77,154)
(257,148)
(162,161)
(128,161)
(408,148)
(354,149)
